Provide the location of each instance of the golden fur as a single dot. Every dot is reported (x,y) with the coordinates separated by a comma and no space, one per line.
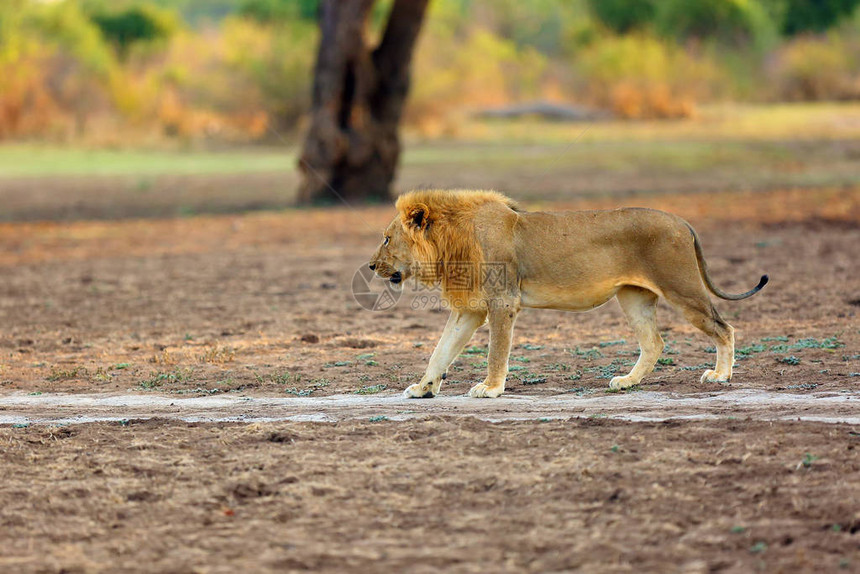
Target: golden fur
(571,260)
(443,241)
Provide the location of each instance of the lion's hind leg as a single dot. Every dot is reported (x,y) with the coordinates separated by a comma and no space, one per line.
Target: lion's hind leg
(640,308)
(701,314)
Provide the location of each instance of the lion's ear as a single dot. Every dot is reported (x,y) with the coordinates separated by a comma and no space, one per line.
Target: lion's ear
(417,216)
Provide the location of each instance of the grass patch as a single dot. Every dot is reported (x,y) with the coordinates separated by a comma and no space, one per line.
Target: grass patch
(587,354)
(161,378)
(370,390)
(217,355)
(830,344)
(66,374)
(475,351)
(34,160)
(314,386)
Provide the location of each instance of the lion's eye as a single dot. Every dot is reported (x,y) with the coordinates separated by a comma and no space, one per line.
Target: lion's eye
(386,240)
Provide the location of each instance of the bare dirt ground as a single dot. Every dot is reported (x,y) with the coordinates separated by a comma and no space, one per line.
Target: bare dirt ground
(443,494)
(261,304)
(259,307)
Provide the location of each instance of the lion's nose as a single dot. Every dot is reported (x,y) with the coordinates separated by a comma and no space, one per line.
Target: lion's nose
(372,266)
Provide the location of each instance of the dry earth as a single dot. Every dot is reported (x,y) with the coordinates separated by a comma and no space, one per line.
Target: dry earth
(260,307)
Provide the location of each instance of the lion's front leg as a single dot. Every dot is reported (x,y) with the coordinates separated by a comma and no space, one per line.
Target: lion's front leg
(459,329)
(502,318)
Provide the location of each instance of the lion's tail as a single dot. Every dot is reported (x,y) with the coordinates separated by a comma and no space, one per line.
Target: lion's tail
(703,269)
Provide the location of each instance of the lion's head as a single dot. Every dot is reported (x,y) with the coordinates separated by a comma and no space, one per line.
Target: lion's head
(433,238)
(393,259)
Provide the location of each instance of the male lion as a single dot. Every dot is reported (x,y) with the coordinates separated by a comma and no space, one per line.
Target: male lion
(492,259)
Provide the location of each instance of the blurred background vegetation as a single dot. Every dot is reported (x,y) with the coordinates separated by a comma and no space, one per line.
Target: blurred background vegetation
(110,72)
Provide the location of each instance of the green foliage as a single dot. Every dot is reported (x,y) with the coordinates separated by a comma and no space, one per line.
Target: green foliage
(279,11)
(135,24)
(801,16)
(623,16)
(729,22)
(539,24)
(65,26)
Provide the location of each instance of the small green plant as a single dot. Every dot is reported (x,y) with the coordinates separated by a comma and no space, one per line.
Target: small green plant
(530,347)
(315,385)
(696,367)
(758,547)
(475,351)
(120,366)
(337,364)
(615,448)
(745,352)
(807,461)
(370,390)
(802,386)
(534,380)
(612,343)
(789,360)
(158,379)
(286,378)
(589,354)
(828,344)
(667,361)
(558,367)
(523,359)
(378,419)
(738,529)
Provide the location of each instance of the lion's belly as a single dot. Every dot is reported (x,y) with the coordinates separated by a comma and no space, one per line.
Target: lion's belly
(566,297)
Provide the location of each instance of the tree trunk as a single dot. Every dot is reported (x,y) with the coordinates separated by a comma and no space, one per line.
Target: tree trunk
(352,147)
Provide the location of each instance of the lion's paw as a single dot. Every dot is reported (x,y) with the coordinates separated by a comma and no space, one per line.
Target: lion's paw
(418,391)
(711,376)
(483,391)
(618,383)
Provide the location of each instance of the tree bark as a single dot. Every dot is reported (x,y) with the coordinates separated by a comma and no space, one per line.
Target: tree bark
(352,147)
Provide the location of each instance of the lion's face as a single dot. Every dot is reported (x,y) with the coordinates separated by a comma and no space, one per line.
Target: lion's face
(393,259)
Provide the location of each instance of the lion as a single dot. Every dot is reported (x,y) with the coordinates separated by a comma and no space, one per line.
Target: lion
(492,259)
